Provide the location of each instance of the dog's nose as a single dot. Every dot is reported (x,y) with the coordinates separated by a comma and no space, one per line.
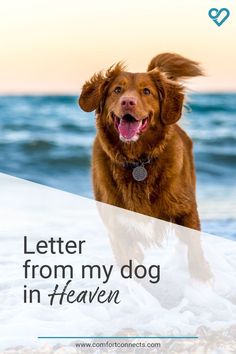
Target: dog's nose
(128,102)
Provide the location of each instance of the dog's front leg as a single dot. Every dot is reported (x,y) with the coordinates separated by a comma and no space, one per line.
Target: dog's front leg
(197,263)
(190,220)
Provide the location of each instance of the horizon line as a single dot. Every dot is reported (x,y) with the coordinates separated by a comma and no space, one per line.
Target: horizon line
(68,93)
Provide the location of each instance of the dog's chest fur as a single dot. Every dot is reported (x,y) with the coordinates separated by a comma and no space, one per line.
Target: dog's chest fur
(146,196)
(166,193)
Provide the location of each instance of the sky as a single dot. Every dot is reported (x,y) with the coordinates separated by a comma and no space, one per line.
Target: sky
(52,46)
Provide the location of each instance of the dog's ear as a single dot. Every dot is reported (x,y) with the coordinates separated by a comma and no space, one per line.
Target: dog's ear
(171,102)
(168,68)
(91,94)
(175,66)
(94,91)
(171,97)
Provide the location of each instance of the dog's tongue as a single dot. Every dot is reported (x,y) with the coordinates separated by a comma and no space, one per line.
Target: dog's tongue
(128,129)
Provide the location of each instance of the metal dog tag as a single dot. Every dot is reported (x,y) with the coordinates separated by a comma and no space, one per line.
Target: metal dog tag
(139,173)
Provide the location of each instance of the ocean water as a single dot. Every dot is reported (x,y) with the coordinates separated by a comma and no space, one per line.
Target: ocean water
(48,139)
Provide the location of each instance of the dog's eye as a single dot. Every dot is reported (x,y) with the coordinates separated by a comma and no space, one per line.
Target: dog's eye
(117,89)
(146,91)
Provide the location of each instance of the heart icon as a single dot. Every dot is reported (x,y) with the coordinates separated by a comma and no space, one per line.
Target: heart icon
(214,14)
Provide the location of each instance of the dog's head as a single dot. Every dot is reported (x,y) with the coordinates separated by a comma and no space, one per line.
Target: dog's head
(137,105)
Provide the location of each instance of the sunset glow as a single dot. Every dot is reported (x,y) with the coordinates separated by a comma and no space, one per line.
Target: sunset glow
(53,46)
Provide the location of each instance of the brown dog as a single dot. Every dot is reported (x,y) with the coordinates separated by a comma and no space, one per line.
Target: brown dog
(142,160)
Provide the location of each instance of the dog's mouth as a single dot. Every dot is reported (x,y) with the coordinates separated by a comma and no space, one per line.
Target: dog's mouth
(128,127)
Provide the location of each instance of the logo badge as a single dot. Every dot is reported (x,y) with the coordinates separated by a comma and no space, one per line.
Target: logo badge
(219,16)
